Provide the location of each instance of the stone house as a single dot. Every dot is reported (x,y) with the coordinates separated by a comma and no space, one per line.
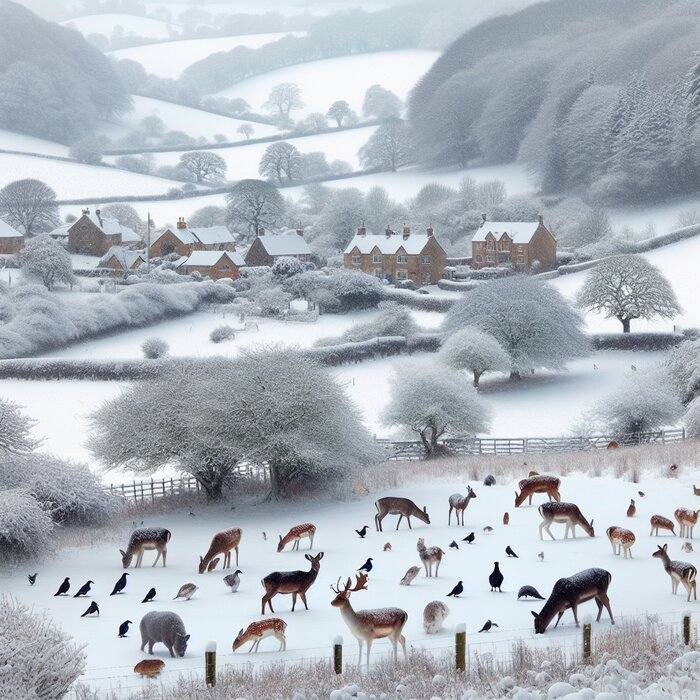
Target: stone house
(184,240)
(267,247)
(214,264)
(121,261)
(94,234)
(11,240)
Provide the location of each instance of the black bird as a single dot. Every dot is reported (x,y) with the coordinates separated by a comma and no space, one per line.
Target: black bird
(496,578)
(457,590)
(510,552)
(362,531)
(487,626)
(367,566)
(94,608)
(63,588)
(454,545)
(149,596)
(469,538)
(84,589)
(32,578)
(124,628)
(641,493)
(120,585)
(529,592)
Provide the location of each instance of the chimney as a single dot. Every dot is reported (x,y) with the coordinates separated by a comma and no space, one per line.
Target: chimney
(429,230)
(541,218)
(483,220)
(300,230)
(181,223)
(261,231)
(388,231)
(97,211)
(406,231)
(97,214)
(361,230)
(86,212)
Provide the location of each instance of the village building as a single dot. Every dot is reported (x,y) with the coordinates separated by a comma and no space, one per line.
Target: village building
(184,240)
(121,260)
(397,257)
(214,264)
(522,246)
(60,233)
(11,240)
(267,247)
(94,234)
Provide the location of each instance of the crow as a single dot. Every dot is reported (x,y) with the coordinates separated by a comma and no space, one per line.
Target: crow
(149,596)
(641,493)
(510,552)
(32,578)
(93,608)
(367,566)
(124,628)
(63,588)
(362,531)
(120,585)
(454,545)
(540,556)
(84,589)
(487,626)
(469,538)
(457,590)
(496,578)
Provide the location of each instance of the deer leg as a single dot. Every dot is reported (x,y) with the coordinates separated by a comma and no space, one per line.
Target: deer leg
(573,610)
(402,639)
(139,556)
(393,641)
(165,554)
(561,614)
(369,648)
(157,558)
(408,520)
(606,602)
(399,523)
(229,559)
(283,643)
(600,609)
(303,598)
(462,518)
(437,568)
(311,544)
(295,546)
(449,517)
(294,600)
(150,647)
(378,523)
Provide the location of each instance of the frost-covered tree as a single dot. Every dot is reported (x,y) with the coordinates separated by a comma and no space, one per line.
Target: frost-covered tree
(435,402)
(394,320)
(88,149)
(691,419)
(204,166)
(683,365)
(153,348)
(287,266)
(254,204)
(125,214)
(281,161)
(25,526)
(154,126)
(15,429)
(29,205)
(211,215)
(627,287)
(531,321)
(339,110)
(284,98)
(247,130)
(475,351)
(381,103)
(388,147)
(46,260)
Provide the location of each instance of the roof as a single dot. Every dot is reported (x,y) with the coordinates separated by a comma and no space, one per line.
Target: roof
(518,231)
(6,231)
(183,234)
(210,235)
(125,257)
(61,231)
(208,258)
(111,227)
(291,244)
(389,245)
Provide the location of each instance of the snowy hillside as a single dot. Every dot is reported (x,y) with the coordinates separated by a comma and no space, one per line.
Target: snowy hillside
(11,141)
(131,24)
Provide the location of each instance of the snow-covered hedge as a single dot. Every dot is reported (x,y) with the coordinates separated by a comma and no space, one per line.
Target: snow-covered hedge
(25,527)
(638,341)
(393,321)
(456,286)
(222,333)
(103,370)
(416,300)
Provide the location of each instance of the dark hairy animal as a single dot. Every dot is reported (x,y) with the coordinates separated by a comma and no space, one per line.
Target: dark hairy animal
(294,582)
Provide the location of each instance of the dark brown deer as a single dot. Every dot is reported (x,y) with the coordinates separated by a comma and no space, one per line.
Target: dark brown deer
(143,539)
(294,582)
(541,483)
(403,507)
(571,592)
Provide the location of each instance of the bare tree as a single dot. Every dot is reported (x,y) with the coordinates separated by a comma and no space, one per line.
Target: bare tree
(204,165)
(339,110)
(153,126)
(247,130)
(388,147)
(254,204)
(47,260)
(281,160)
(125,214)
(627,287)
(284,98)
(29,205)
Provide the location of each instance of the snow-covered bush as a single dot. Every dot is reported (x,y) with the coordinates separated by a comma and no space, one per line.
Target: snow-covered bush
(476,351)
(691,419)
(683,364)
(351,291)
(37,660)
(273,302)
(287,266)
(46,260)
(25,527)
(153,348)
(222,333)
(393,321)
(15,430)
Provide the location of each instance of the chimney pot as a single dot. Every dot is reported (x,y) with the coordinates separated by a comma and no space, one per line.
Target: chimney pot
(388,231)
(300,230)
(361,230)
(541,218)
(261,231)
(429,230)
(181,223)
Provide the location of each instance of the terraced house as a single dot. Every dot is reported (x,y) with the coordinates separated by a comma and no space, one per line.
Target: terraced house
(184,240)
(11,240)
(267,247)
(397,257)
(94,234)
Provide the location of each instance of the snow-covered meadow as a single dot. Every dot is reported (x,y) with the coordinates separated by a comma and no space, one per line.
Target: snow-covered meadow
(133,25)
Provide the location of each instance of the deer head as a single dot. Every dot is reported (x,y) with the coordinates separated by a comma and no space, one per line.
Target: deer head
(470,492)
(660,552)
(240,640)
(126,558)
(343,594)
(202,565)
(540,624)
(427,517)
(315,561)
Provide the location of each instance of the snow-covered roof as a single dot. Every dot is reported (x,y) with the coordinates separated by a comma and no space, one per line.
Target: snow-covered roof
(6,231)
(125,256)
(389,245)
(518,231)
(111,227)
(183,234)
(60,232)
(290,244)
(213,234)
(208,258)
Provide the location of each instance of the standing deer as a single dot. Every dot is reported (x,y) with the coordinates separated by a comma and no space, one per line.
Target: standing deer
(294,582)
(459,503)
(295,534)
(571,592)
(679,571)
(658,522)
(567,513)
(222,543)
(146,538)
(429,556)
(687,520)
(368,625)
(537,484)
(257,631)
(403,507)
(621,539)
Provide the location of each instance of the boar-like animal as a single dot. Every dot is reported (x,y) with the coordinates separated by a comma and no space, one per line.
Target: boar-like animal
(165,627)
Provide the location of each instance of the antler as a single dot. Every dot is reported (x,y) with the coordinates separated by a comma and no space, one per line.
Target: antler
(360,583)
(336,588)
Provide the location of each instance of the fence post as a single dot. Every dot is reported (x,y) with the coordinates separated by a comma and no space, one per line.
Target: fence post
(586,640)
(686,628)
(210,664)
(338,655)
(461,647)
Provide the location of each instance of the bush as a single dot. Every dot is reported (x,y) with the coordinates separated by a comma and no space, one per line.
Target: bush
(691,419)
(287,266)
(636,341)
(218,335)
(153,348)
(393,321)
(25,527)
(273,302)
(352,291)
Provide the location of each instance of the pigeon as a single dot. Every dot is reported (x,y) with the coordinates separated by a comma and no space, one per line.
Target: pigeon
(511,553)
(63,588)
(457,590)
(496,578)
(469,538)
(186,591)
(32,578)
(506,518)
(124,627)
(540,556)
(367,566)
(632,509)
(84,589)
(362,531)
(454,545)
(487,626)
(488,529)
(94,608)
(149,596)
(233,580)
(120,585)
(529,592)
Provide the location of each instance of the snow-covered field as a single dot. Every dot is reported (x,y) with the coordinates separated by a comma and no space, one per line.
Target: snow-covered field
(12,141)
(131,24)
(284,7)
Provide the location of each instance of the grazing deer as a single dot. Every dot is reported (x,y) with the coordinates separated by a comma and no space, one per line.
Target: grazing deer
(567,513)
(687,520)
(146,538)
(459,503)
(257,631)
(403,507)
(571,592)
(222,543)
(295,534)
(658,522)
(368,625)
(679,571)
(537,484)
(621,539)
(429,556)
(294,582)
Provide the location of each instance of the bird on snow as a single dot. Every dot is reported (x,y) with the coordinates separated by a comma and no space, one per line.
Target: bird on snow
(487,626)
(595,366)
(186,591)
(124,627)
(149,596)
(634,369)
(32,578)
(457,590)
(687,547)
(469,538)
(496,578)
(641,494)
(387,547)
(367,566)
(454,545)
(63,588)
(191,513)
(529,592)
(264,536)
(540,556)
(362,531)
(488,529)
(510,552)
(233,581)
(84,589)
(120,585)
(93,608)
(632,509)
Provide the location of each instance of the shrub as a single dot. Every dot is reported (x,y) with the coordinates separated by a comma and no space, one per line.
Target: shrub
(25,527)
(218,335)
(273,302)
(287,266)
(691,419)
(352,291)
(153,348)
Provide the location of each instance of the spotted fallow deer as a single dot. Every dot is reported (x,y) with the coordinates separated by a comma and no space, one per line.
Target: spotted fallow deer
(658,522)
(459,503)
(567,513)
(295,582)
(222,543)
(368,625)
(297,533)
(679,571)
(541,483)
(403,507)
(257,631)
(686,519)
(621,540)
(143,539)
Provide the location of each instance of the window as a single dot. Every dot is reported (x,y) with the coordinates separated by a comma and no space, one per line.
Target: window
(520,249)
(356,259)
(489,245)
(479,258)
(376,258)
(489,258)
(225,268)
(402,259)
(521,258)
(401,275)
(425,278)
(425,259)
(479,245)
(378,272)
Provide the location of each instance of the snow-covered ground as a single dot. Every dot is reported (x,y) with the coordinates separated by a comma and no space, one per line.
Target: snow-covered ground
(284,7)
(12,141)
(131,24)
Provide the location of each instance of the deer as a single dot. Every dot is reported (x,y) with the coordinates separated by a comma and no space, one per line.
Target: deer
(679,571)
(567,513)
(257,631)
(687,520)
(621,540)
(294,582)
(222,543)
(143,539)
(368,625)
(542,483)
(429,556)
(295,534)
(403,507)
(459,503)
(658,522)
(571,592)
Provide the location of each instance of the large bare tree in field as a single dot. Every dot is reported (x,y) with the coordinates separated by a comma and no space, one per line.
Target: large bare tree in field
(29,205)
